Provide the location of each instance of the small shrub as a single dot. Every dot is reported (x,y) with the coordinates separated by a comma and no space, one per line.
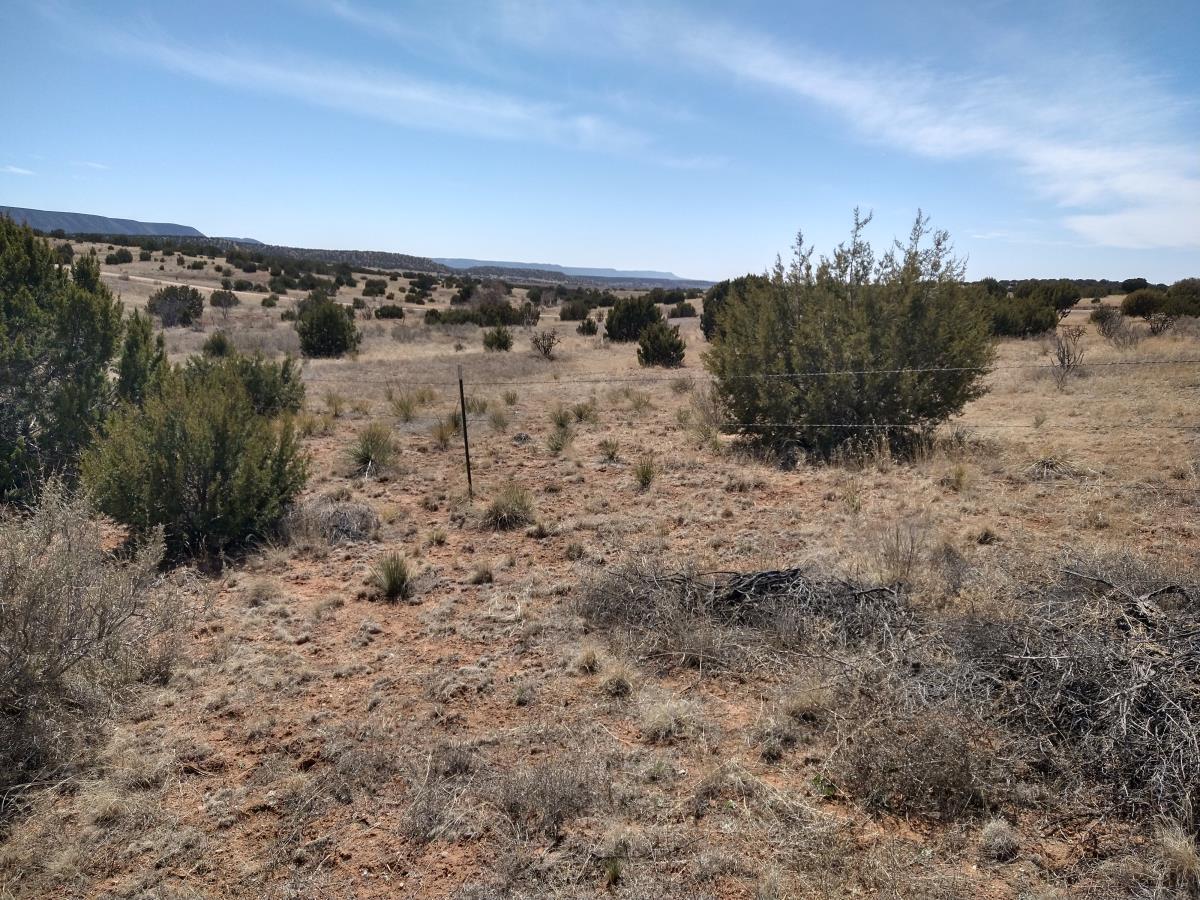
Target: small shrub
(78,625)
(661,345)
(512,507)
(587,327)
(560,416)
(510,398)
(998,842)
(1067,354)
(585,412)
(644,471)
(404,407)
(498,420)
(224,301)
(390,311)
(270,301)
(544,343)
(498,339)
(373,450)
(176,305)
(920,766)
(560,439)
(629,317)
(326,328)
(335,403)
(443,433)
(218,345)
(683,310)
(392,579)
(232,473)
(609,450)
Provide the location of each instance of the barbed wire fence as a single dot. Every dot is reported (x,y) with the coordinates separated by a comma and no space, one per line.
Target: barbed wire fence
(459,385)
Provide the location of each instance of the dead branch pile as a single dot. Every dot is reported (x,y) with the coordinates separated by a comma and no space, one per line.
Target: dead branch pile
(723,619)
(1103,671)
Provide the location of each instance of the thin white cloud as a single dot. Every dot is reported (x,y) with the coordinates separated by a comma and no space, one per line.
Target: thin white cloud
(392,96)
(1089,133)
(15,170)
(86,164)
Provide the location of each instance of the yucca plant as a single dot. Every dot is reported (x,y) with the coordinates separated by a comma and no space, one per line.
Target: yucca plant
(373,449)
(644,471)
(392,578)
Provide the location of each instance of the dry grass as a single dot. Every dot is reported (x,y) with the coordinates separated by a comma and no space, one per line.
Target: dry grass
(702,748)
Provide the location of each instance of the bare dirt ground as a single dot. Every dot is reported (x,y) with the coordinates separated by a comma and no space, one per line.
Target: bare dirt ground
(481,740)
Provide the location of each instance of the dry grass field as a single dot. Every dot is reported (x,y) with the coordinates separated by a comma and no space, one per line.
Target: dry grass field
(519,726)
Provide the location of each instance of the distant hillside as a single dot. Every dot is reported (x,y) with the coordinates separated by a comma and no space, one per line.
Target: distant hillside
(573,271)
(83,223)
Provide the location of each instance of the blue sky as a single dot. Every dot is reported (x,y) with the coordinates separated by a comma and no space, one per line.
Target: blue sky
(1048,138)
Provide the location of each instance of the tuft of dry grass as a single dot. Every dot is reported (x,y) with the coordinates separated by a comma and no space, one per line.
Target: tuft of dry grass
(511,507)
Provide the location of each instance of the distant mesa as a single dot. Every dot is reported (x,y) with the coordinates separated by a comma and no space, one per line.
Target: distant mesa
(573,271)
(83,223)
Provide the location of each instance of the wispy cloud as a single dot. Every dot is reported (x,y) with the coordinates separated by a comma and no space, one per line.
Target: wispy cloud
(1090,133)
(394,96)
(15,170)
(1128,192)
(86,164)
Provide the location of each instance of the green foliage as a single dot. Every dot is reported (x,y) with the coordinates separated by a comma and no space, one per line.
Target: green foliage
(119,257)
(176,304)
(855,313)
(375,287)
(644,471)
(143,359)
(1129,285)
(217,345)
(574,310)
(1021,316)
(488,314)
(498,339)
(273,388)
(661,345)
(270,301)
(722,294)
(390,311)
(1143,303)
(326,328)
(224,301)
(1183,298)
(59,331)
(198,461)
(630,316)
(683,310)
(1059,294)
(587,327)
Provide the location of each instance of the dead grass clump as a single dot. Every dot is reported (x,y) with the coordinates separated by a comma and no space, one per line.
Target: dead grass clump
(328,521)
(512,507)
(1177,859)
(1052,467)
(918,766)
(669,721)
(998,842)
(541,799)
(77,625)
